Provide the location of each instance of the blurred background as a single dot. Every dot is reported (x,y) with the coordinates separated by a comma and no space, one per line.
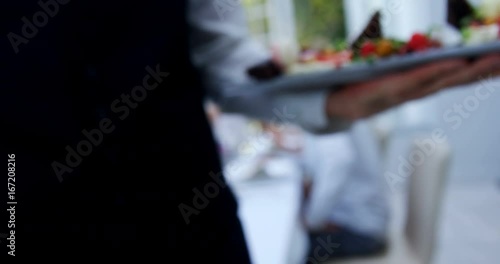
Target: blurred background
(431,168)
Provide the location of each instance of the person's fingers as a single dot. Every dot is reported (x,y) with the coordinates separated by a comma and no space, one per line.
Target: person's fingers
(418,79)
(365,99)
(492,75)
(476,71)
(401,88)
(494,72)
(480,69)
(434,71)
(398,85)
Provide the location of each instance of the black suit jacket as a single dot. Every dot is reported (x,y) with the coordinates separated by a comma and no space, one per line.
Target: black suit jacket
(103,110)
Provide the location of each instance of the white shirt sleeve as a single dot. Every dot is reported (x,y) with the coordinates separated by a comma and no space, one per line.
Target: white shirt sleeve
(223,50)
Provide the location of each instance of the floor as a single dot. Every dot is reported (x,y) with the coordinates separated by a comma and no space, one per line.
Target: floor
(469,225)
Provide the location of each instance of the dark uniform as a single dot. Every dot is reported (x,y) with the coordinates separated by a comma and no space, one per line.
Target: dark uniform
(103,110)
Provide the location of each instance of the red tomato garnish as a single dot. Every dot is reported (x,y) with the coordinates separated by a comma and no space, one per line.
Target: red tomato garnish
(419,42)
(368,48)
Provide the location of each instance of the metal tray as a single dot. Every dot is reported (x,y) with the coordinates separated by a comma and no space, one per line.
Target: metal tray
(356,72)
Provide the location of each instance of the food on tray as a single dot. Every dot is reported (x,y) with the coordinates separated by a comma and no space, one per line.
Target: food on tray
(480,24)
(384,47)
(473,25)
(369,46)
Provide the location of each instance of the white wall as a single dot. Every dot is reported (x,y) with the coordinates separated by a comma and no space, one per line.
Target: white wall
(358,13)
(282,31)
(401,18)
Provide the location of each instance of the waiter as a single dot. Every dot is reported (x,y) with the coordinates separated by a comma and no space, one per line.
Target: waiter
(103,110)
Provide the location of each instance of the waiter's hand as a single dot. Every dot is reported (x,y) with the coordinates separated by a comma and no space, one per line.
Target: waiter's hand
(364,99)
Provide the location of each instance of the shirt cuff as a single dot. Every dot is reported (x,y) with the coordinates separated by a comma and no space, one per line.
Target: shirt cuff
(309,111)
